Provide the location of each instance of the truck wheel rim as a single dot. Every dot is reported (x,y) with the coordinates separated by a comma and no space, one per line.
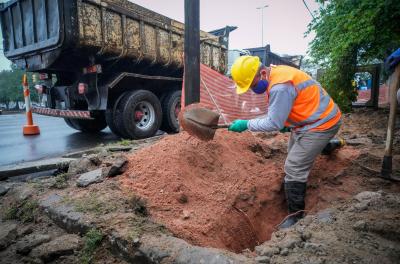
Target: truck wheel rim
(144,115)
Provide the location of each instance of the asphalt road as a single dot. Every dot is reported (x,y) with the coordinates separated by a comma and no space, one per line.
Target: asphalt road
(56,138)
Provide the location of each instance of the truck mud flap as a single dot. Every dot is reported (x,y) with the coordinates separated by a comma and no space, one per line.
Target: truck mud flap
(75,114)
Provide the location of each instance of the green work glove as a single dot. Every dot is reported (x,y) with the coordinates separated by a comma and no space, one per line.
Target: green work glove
(285,129)
(238,125)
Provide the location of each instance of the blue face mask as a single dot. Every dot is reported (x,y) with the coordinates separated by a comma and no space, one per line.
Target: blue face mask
(261,87)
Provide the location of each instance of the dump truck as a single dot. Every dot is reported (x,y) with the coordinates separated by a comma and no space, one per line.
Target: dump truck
(266,57)
(105,62)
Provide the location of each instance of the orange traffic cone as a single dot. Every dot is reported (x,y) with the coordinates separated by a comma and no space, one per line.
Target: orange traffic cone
(29,128)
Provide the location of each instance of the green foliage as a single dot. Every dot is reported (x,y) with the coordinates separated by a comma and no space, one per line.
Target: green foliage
(61,181)
(138,204)
(11,213)
(125,142)
(351,33)
(92,240)
(37,185)
(92,203)
(26,211)
(11,86)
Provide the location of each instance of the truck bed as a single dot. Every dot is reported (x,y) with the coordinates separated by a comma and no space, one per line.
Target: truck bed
(57,35)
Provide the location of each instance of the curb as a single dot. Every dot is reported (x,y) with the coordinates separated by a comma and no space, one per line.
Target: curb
(32,167)
(147,249)
(135,145)
(79,154)
(23,168)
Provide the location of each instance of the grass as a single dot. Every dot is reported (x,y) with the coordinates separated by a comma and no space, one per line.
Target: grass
(125,142)
(37,185)
(134,233)
(61,181)
(91,204)
(92,241)
(138,204)
(11,213)
(140,225)
(26,211)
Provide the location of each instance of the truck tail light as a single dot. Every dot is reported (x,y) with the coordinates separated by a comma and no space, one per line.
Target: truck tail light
(43,76)
(39,88)
(92,69)
(82,88)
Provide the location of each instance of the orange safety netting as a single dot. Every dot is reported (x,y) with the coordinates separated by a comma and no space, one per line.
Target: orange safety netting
(217,92)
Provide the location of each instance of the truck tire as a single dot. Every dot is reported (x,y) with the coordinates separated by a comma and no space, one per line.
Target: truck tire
(110,122)
(68,121)
(138,115)
(111,117)
(87,125)
(171,106)
(92,126)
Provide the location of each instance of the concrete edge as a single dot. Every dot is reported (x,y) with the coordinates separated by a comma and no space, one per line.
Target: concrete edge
(23,168)
(32,167)
(113,147)
(148,249)
(78,154)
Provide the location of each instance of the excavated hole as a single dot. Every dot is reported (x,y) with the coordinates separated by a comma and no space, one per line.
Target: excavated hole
(232,217)
(250,221)
(224,194)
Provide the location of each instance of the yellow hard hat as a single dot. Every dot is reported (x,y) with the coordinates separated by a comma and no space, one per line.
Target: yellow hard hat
(243,71)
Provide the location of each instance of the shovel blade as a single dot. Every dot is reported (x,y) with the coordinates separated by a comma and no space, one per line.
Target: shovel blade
(199,122)
(202,116)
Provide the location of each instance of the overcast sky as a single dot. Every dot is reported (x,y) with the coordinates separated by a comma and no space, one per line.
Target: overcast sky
(285,22)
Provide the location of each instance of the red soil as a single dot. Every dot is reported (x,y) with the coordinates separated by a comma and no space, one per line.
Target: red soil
(226,193)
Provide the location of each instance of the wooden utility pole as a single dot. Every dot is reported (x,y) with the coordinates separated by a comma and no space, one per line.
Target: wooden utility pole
(192,51)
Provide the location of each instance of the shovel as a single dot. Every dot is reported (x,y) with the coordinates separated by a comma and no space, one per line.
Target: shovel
(200,122)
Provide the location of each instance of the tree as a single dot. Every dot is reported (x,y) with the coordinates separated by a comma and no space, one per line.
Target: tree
(11,86)
(351,33)
(308,66)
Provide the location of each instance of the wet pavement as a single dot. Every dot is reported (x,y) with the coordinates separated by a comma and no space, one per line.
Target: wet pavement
(56,139)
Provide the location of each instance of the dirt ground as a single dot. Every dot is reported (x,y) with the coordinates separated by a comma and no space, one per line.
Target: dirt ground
(227,194)
(364,229)
(41,239)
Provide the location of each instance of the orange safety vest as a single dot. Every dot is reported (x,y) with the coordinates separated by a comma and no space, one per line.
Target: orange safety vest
(313,108)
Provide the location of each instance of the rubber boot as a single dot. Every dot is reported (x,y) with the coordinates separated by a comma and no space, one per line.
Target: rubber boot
(295,193)
(333,144)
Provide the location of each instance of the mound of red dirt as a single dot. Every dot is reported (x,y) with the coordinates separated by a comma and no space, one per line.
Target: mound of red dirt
(225,193)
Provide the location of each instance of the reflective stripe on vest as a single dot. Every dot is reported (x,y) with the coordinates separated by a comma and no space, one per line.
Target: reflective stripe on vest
(324,100)
(305,84)
(331,115)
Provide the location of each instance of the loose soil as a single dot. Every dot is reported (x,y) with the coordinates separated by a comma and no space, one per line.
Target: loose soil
(227,193)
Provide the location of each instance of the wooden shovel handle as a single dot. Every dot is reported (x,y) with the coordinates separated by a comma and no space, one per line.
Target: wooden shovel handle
(393,84)
(386,170)
(221,126)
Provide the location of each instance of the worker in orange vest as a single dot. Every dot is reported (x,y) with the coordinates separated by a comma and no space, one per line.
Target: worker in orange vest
(299,103)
